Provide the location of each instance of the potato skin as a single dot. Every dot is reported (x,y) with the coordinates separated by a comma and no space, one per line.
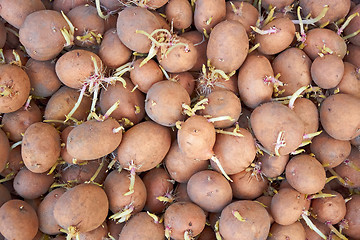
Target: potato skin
(18,220)
(245,13)
(270,119)
(305,174)
(4,150)
(308,112)
(293,231)
(334,68)
(206,10)
(14,88)
(248,185)
(350,83)
(146,75)
(256,225)
(84,206)
(83,141)
(180,12)
(228,46)
(136,18)
(352,216)
(340,116)
(40,147)
(331,209)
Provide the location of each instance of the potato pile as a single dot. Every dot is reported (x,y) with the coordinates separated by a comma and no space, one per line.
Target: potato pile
(179,119)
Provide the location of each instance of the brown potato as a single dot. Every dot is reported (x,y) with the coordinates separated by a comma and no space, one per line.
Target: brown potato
(340,116)
(66,5)
(228,53)
(101,232)
(352,217)
(352,55)
(329,209)
(294,66)
(243,12)
(256,224)
(273,166)
(208,13)
(293,231)
(145,76)
(334,68)
(40,147)
(83,140)
(179,12)
(347,169)
(200,43)
(18,220)
(14,88)
(4,195)
(210,190)
(305,174)
(14,161)
(186,80)
(308,113)
(4,150)
(350,82)
(273,124)
(248,185)
(274,43)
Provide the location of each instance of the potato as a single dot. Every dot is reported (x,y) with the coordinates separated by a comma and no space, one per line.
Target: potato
(181,193)
(145,76)
(334,68)
(18,220)
(330,209)
(248,185)
(156,141)
(49,42)
(352,217)
(163,103)
(347,170)
(179,12)
(255,223)
(86,20)
(200,43)
(75,67)
(350,82)
(184,218)
(294,66)
(4,150)
(112,51)
(274,43)
(66,5)
(185,79)
(132,102)
(16,123)
(276,3)
(84,207)
(273,166)
(340,116)
(207,234)
(31,185)
(101,232)
(243,12)
(196,138)
(180,57)
(266,203)
(235,153)
(114,228)
(14,161)
(319,38)
(132,19)
(228,53)
(329,151)
(223,103)
(287,206)
(3,34)
(352,54)
(336,11)
(15,11)
(43,79)
(14,88)
(311,234)
(158,184)
(181,167)
(83,140)
(277,128)
(209,190)
(40,147)
(293,231)
(47,222)
(117,184)
(61,103)
(208,13)
(253,88)
(142,226)
(307,111)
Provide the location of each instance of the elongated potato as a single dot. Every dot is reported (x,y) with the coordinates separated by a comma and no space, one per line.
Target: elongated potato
(228,46)
(83,140)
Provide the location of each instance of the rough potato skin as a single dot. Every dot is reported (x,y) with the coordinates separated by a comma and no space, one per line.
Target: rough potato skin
(40,147)
(228,46)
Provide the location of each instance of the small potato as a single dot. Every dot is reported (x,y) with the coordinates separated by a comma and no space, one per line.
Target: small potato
(330,209)
(83,140)
(255,223)
(350,82)
(186,80)
(18,220)
(340,116)
(248,185)
(334,68)
(40,147)
(294,66)
(318,39)
(163,103)
(293,231)
(228,46)
(273,166)
(132,19)
(353,54)
(14,88)
(274,43)
(66,5)
(243,12)
(145,76)
(200,43)
(279,4)
(348,169)
(305,174)
(208,13)
(210,190)
(308,113)
(352,217)
(179,12)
